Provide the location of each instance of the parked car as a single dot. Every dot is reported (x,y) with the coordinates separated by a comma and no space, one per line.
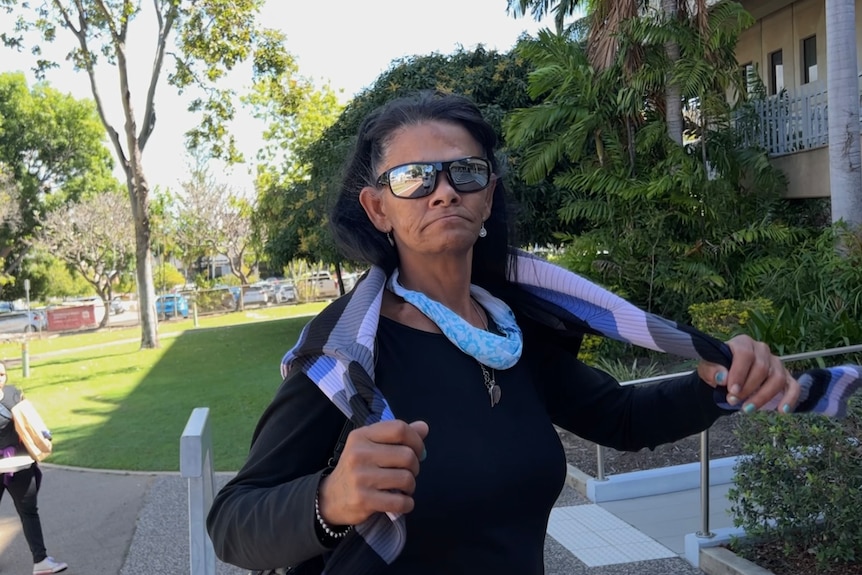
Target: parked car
(255,295)
(285,293)
(172,305)
(22,322)
(117,306)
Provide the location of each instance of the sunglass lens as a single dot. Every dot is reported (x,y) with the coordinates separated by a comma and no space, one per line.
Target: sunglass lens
(469,175)
(412,180)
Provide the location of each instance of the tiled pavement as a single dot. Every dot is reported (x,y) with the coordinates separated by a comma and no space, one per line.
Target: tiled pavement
(642,536)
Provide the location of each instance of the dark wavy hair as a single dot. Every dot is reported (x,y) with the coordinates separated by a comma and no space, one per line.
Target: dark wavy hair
(355,235)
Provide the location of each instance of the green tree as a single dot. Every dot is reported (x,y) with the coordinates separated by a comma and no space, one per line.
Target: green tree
(664,224)
(53,149)
(206,39)
(10,214)
(280,221)
(166,276)
(603,24)
(51,277)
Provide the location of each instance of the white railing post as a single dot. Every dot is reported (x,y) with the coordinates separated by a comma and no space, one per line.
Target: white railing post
(196,465)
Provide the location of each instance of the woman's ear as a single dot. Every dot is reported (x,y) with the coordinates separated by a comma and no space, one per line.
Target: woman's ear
(372,203)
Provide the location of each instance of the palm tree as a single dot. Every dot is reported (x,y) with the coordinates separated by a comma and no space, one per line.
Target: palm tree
(605,20)
(845,162)
(672,92)
(562,9)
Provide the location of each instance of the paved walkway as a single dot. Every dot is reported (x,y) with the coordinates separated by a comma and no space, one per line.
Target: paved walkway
(136,524)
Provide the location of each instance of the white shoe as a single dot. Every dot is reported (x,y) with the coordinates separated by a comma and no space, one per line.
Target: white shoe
(48,565)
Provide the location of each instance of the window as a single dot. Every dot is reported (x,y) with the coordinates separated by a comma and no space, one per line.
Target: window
(776,72)
(748,79)
(809,60)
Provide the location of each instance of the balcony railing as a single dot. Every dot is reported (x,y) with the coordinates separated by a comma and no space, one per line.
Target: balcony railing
(789,122)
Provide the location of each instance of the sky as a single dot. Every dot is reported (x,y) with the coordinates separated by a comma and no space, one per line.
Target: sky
(343,42)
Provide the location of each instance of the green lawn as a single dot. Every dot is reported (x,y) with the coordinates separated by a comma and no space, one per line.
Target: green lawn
(112,406)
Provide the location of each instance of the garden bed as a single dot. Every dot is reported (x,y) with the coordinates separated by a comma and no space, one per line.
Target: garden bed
(722,443)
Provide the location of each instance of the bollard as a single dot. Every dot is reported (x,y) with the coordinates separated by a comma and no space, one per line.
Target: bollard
(195,312)
(25,359)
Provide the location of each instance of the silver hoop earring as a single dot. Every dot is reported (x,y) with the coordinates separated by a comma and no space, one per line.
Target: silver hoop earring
(482,231)
(391,240)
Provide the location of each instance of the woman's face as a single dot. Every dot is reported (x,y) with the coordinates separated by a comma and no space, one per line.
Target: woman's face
(3,375)
(444,222)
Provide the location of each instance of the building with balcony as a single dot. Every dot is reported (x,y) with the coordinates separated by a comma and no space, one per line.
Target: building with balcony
(786,49)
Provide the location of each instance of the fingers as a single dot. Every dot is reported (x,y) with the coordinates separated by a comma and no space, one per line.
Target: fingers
(756,378)
(752,363)
(376,472)
(398,432)
(784,400)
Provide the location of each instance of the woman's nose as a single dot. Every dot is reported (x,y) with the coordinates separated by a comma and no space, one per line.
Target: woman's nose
(444,192)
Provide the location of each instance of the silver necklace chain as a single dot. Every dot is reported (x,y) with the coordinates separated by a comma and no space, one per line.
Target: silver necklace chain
(494,391)
(490,377)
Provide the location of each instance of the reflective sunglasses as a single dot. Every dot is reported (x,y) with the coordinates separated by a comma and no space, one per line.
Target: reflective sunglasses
(419,179)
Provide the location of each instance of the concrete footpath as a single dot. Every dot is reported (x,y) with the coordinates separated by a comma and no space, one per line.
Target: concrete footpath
(88,520)
(106,523)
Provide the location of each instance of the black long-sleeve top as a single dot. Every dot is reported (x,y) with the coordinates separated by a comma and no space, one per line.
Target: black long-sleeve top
(12,396)
(492,474)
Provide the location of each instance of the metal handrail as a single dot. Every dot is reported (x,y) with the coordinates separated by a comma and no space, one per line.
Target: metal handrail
(704,435)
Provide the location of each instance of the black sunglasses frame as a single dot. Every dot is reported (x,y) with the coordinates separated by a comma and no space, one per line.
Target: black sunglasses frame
(383,179)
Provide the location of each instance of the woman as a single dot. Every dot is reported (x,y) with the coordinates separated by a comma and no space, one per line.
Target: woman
(454,464)
(23,485)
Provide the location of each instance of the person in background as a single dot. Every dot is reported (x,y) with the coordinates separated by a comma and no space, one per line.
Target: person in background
(452,375)
(23,485)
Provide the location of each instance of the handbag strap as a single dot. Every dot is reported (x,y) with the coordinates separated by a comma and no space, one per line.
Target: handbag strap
(339,445)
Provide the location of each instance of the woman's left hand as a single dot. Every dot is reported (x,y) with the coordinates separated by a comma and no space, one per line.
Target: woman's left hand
(757,378)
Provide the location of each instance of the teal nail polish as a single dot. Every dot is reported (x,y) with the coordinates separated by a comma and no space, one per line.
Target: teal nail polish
(719,377)
(749,408)
(785,408)
(423,456)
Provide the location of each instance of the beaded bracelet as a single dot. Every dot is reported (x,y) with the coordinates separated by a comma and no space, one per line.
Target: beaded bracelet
(324,525)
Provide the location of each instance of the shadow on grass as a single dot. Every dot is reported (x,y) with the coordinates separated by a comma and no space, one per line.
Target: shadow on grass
(232,370)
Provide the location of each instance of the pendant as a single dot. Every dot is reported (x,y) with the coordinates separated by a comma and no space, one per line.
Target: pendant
(495,393)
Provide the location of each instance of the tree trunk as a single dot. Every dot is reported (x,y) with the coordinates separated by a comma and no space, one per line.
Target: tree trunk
(845,179)
(673,95)
(138,191)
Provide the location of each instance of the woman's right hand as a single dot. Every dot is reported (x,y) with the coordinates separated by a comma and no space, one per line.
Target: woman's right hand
(376,472)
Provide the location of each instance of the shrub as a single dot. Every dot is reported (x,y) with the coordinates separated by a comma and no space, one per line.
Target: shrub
(725,318)
(799,483)
(214,300)
(590,347)
(806,326)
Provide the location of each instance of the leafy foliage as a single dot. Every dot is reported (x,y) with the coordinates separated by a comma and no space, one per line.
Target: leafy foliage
(798,483)
(726,318)
(817,291)
(662,224)
(52,153)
